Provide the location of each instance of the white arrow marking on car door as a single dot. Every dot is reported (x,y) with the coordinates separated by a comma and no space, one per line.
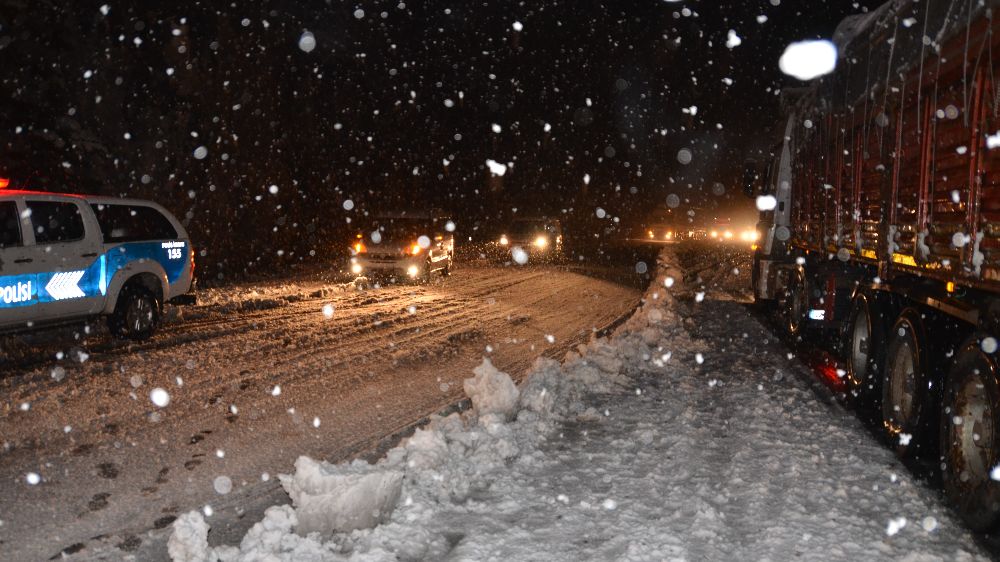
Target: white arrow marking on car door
(65,285)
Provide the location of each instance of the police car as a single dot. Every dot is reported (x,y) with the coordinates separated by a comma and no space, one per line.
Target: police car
(66,258)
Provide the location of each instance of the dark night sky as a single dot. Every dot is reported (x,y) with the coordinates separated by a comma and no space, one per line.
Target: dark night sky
(384,99)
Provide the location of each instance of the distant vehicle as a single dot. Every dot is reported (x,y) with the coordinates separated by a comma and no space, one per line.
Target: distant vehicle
(538,236)
(406,245)
(71,257)
(879,225)
(659,233)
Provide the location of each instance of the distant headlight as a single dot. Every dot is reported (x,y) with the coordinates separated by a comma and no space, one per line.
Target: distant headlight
(651,234)
(728,235)
(541,241)
(413,271)
(356,268)
(416,249)
(359,248)
(504,241)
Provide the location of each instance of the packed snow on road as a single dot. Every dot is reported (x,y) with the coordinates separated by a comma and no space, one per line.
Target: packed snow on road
(688,434)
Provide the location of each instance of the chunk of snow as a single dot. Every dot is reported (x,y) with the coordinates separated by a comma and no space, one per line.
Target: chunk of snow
(491,390)
(200,153)
(810,59)
(189,540)
(340,498)
(684,156)
(32,478)
(518,26)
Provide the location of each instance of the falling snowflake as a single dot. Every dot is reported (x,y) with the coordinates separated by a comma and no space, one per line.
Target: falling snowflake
(806,60)
(519,256)
(307,42)
(733,40)
(159,397)
(222,484)
(895,526)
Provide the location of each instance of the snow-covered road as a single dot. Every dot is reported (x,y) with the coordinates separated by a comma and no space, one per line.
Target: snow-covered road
(690,434)
(256,375)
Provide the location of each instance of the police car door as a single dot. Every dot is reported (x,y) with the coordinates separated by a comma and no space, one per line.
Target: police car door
(15,287)
(65,255)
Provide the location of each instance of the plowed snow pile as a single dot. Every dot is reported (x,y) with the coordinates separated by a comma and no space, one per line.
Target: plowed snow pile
(687,435)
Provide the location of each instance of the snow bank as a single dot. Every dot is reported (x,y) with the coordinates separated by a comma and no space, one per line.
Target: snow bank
(651,444)
(346,511)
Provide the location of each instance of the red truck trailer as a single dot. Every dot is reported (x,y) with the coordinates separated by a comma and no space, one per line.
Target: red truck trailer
(880,227)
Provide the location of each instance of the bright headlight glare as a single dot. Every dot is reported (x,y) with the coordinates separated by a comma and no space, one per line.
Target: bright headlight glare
(413,271)
(504,241)
(356,268)
(415,249)
(541,241)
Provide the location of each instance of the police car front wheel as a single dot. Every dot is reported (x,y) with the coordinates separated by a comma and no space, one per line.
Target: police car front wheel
(136,315)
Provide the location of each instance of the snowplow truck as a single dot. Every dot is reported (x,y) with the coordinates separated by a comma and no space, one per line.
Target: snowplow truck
(880,230)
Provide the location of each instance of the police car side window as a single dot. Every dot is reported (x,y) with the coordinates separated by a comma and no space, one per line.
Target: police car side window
(55,222)
(10,225)
(132,223)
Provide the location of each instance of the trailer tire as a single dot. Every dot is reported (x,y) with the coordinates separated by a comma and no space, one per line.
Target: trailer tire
(970,449)
(906,401)
(864,342)
(794,304)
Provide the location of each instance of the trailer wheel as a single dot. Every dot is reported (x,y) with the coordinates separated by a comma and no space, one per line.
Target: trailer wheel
(970,437)
(865,352)
(905,392)
(794,305)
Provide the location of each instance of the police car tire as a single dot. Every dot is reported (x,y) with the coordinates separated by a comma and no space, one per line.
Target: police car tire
(118,321)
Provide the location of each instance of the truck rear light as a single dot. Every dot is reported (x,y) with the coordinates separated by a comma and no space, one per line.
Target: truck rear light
(4,182)
(192,262)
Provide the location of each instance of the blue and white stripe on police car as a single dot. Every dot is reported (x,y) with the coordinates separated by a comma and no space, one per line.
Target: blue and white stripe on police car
(65,285)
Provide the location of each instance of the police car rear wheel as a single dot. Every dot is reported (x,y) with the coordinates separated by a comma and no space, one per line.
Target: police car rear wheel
(136,314)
